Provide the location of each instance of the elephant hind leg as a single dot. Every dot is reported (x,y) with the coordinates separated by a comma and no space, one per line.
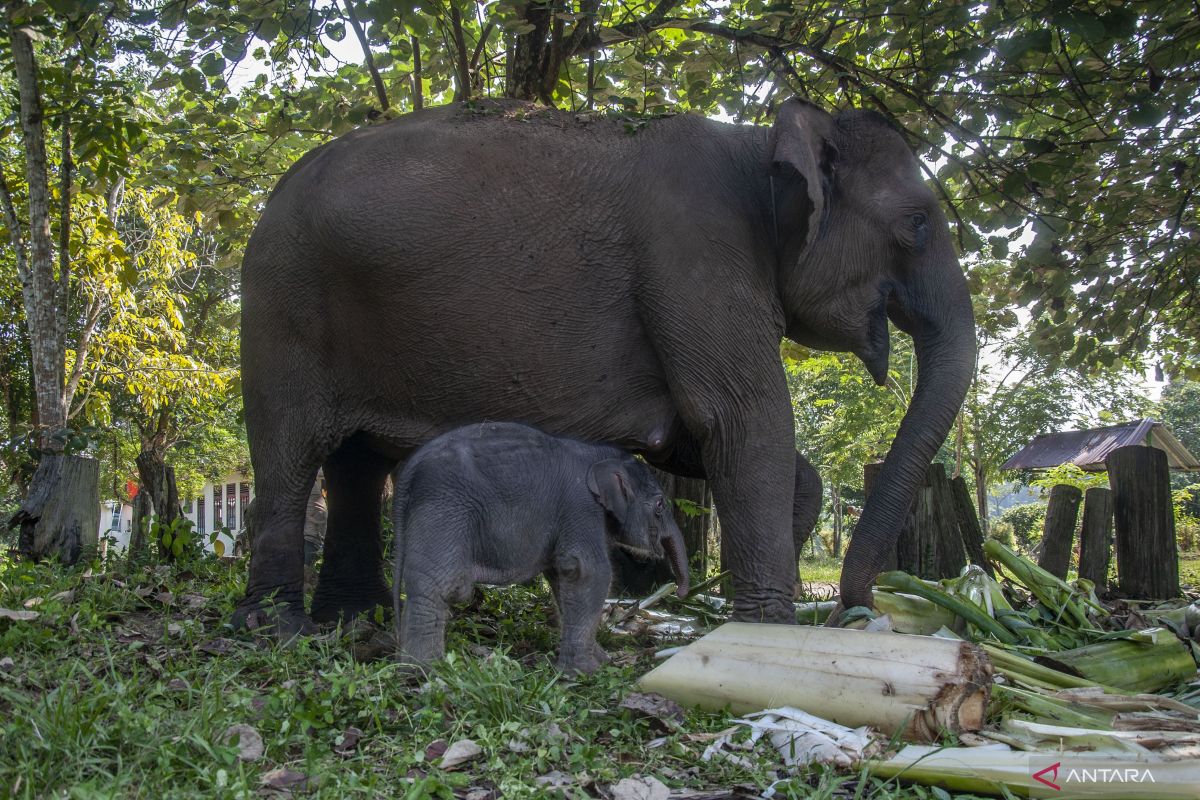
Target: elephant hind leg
(806,502)
(285,465)
(352,580)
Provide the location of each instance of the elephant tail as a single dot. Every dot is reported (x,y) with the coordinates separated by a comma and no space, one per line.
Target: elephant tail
(400,494)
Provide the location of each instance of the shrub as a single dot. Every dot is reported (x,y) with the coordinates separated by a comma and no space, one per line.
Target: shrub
(1026,521)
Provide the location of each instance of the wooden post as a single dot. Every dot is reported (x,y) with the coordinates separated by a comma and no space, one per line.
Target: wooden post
(968,524)
(1095,536)
(1147,557)
(61,515)
(1058,532)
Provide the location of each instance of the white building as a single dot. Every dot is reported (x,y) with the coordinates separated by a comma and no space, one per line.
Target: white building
(220,506)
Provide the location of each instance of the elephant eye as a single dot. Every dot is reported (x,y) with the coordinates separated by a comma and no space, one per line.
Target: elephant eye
(919,220)
(658,506)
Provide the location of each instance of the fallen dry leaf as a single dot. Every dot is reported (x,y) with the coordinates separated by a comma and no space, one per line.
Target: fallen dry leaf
(178,685)
(435,750)
(18,616)
(7,664)
(33,601)
(284,779)
(654,707)
(460,753)
(216,647)
(194,600)
(65,597)
(638,788)
(174,629)
(166,598)
(348,741)
(249,743)
(555,779)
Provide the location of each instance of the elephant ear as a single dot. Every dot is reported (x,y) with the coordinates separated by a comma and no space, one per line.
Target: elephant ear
(801,142)
(610,485)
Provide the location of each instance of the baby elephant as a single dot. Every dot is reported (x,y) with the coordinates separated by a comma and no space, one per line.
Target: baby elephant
(498,503)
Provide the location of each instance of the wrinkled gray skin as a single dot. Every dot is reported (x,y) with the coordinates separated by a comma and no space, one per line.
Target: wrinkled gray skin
(500,503)
(509,262)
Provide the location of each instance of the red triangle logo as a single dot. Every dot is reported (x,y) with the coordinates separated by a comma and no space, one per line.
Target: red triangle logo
(1053,768)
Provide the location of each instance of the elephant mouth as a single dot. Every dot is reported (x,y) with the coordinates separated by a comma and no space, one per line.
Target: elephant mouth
(656,553)
(876,352)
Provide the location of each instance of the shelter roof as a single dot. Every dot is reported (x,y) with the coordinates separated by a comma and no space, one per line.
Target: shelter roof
(1087,449)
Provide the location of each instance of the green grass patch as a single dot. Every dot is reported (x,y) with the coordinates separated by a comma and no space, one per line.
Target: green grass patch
(126,684)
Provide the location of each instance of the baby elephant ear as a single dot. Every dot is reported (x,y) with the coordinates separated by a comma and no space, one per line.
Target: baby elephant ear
(610,485)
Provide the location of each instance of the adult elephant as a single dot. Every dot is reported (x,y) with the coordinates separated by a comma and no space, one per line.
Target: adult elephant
(606,282)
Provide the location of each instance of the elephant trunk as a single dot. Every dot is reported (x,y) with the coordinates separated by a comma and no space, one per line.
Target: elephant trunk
(944,342)
(676,553)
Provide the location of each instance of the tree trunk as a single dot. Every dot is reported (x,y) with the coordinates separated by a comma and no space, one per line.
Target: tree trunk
(143,510)
(1147,557)
(836,545)
(695,528)
(40,291)
(1058,532)
(1095,537)
(981,497)
(61,515)
(968,525)
(157,480)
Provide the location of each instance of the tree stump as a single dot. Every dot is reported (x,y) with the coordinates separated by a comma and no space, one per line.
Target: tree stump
(1095,536)
(968,524)
(61,515)
(1147,558)
(930,545)
(1058,532)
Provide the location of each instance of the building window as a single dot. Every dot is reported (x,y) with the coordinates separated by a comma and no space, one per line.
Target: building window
(116,517)
(231,514)
(188,508)
(243,501)
(200,514)
(216,506)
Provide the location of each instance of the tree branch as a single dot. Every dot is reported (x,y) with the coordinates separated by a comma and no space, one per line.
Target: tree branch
(92,319)
(418,92)
(380,92)
(14,230)
(463,91)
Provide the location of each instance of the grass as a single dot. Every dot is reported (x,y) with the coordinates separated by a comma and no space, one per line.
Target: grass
(126,685)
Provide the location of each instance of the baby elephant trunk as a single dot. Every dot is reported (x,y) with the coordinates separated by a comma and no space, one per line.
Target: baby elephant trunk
(676,554)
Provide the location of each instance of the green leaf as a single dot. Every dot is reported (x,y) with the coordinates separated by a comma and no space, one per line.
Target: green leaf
(1030,41)
(193,80)
(336,31)
(1146,114)
(212,65)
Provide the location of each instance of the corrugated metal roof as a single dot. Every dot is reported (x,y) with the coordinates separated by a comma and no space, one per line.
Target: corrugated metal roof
(1088,449)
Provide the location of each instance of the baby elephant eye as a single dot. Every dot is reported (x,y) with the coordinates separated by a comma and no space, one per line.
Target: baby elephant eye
(919,220)
(658,506)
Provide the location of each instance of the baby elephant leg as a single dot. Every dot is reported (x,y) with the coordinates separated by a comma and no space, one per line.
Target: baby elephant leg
(580,588)
(423,623)
(553,579)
